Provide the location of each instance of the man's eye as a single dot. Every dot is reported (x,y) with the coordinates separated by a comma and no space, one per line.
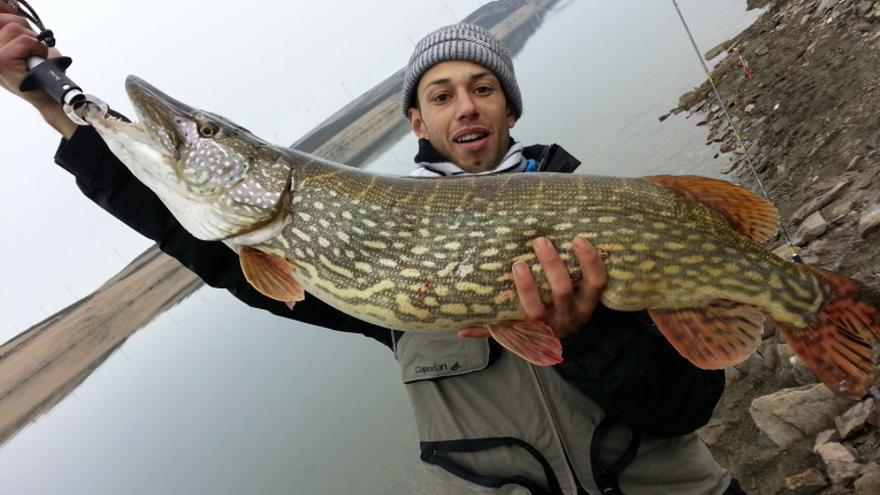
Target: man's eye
(440,98)
(483,90)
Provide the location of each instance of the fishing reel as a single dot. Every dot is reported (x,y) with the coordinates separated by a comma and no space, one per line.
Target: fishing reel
(49,75)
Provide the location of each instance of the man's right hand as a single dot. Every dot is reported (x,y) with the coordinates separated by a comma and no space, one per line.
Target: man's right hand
(17,43)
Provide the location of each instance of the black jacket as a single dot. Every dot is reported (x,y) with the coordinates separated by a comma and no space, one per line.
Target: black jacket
(618,359)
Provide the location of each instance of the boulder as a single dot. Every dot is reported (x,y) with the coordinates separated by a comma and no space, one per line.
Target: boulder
(717,50)
(732,374)
(731,165)
(711,433)
(830,435)
(862,8)
(792,414)
(835,452)
(819,202)
(854,419)
(840,462)
(783,251)
(824,5)
(805,482)
(767,351)
(839,210)
(864,26)
(790,364)
(870,222)
(811,228)
(874,416)
(855,162)
(869,482)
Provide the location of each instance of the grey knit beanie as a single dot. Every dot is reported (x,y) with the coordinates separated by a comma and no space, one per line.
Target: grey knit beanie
(462,42)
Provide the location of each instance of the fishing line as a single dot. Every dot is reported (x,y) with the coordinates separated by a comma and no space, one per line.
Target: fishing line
(739,141)
(46,35)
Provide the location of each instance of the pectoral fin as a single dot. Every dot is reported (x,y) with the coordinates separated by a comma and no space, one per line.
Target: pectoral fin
(713,337)
(531,340)
(272,275)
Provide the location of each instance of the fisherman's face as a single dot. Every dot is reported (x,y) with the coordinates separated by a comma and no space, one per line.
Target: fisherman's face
(463,114)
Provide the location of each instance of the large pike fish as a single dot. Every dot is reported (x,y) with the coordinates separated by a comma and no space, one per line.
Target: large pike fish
(436,254)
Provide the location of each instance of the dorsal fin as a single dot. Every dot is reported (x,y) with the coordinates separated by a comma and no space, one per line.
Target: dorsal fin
(750,214)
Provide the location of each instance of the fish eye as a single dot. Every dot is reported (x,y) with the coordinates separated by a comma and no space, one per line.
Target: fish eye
(208,129)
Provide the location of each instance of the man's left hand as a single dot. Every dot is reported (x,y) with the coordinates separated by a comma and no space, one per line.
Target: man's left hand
(571,305)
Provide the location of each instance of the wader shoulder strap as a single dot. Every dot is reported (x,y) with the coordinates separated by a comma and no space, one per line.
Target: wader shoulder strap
(606,476)
(432,453)
(552,158)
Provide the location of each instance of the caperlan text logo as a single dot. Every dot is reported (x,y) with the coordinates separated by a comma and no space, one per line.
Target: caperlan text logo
(438,367)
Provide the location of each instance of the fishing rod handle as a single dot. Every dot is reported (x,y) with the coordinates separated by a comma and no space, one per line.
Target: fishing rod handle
(48,75)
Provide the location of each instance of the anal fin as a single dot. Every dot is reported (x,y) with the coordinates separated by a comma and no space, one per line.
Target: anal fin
(531,340)
(712,337)
(271,275)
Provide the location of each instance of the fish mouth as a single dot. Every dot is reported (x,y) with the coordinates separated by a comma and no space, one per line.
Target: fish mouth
(161,115)
(148,99)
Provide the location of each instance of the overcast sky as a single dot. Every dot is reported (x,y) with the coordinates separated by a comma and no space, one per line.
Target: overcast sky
(275,68)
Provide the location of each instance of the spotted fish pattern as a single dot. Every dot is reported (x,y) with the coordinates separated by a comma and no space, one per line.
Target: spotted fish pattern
(435,254)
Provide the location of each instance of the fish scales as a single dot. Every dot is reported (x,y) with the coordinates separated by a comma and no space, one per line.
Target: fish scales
(436,254)
(420,254)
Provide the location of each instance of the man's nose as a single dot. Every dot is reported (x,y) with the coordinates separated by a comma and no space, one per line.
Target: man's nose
(467,106)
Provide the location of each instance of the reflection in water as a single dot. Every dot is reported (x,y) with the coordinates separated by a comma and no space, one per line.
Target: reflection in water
(214,397)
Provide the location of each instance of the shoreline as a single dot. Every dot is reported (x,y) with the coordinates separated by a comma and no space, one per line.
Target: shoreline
(807,115)
(45,363)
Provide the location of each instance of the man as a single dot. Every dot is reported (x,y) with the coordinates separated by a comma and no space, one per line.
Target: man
(488,421)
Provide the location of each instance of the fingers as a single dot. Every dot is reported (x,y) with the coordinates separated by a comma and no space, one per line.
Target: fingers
(15,47)
(5,8)
(13,67)
(556,274)
(595,278)
(12,30)
(527,290)
(9,16)
(474,332)
(17,43)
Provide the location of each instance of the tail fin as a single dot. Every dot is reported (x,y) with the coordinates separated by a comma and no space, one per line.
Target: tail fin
(842,346)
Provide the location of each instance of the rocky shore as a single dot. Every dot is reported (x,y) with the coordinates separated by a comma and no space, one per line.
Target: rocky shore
(801,84)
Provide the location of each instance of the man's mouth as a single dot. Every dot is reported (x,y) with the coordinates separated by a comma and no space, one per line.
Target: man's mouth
(470,137)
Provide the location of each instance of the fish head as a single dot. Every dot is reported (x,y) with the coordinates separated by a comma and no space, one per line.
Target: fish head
(217,179)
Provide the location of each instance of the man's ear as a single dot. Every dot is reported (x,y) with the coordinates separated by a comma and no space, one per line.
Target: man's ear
(416,123)
(511,118)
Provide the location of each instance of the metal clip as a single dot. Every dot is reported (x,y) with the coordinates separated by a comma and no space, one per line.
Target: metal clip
(76,103)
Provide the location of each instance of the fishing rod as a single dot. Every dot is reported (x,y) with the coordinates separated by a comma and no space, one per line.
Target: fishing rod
(48,74)
(794,254)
